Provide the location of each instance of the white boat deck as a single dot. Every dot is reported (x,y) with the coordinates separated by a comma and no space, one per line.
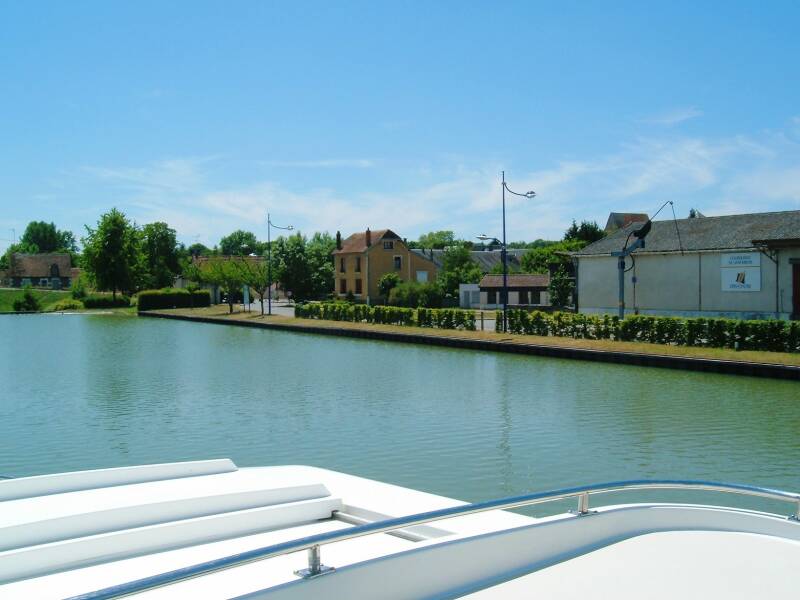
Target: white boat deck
(691,565)
(74,533)
(119,525)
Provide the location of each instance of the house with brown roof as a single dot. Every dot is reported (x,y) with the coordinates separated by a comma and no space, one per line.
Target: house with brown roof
(363,258)
(523,290)
(53,271)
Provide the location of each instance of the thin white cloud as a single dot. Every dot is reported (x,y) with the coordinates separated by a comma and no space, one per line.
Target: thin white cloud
(331,163)
(674,116)
(717,176)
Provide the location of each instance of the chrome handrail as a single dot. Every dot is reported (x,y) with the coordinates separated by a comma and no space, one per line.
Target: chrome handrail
(312,543)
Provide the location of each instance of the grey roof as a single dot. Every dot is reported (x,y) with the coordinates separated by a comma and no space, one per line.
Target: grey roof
(485,259)
(515,280)
(708,233)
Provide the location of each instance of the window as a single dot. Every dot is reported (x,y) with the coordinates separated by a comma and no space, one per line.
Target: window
(358,286)
(358,264)
(44,282)
(343,286)
(422,276)
(341,265)
(523,297)
(398,262)
(492,297)
(388,245)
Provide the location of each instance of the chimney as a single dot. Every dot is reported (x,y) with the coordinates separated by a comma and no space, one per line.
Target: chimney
(338,240)
(369,238)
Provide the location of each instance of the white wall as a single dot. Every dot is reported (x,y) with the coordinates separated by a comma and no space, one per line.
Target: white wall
(686,285)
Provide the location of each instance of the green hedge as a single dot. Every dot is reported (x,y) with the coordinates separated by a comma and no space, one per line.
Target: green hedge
(770,335)
(173,298)
(441,318)
(106,302)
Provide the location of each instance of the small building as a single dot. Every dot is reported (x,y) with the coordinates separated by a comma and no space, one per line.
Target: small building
(363,258)
(523,290)
(52,271)
(737,266)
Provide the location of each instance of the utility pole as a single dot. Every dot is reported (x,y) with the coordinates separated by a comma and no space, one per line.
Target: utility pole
(269,260)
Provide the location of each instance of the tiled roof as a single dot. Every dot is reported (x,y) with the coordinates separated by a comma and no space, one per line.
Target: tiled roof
(707,233)
(38,265)
(485,259)
(515,281)
(358,241)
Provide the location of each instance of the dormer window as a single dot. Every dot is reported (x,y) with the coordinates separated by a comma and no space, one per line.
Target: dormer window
(388,245)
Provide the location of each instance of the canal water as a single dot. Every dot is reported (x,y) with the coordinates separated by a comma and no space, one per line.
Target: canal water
(80,392)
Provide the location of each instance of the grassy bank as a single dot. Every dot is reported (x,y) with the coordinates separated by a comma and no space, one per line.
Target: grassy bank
(782,358)
(48,300)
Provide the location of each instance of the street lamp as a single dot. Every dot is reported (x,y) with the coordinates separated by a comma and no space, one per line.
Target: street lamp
(269,260)
(503,252)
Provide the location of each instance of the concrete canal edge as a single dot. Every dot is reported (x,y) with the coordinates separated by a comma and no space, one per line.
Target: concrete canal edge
(730,367)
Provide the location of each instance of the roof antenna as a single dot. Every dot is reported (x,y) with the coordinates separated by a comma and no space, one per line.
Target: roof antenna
(678,231)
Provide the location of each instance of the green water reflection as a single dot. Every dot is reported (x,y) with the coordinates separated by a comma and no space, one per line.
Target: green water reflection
(93,391)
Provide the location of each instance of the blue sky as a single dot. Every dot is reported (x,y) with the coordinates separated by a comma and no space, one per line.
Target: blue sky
(346,115)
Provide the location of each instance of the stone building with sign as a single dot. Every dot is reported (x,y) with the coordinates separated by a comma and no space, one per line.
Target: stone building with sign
(737,266)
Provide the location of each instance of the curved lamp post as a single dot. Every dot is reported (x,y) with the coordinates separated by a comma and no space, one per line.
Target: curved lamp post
(503,253)
(269,259)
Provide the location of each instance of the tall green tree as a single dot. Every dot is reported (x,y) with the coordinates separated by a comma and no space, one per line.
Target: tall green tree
(561,288)
(539,260)
(587,232)
(457,267)
(160,250)
(290,266)
(320,263)
(112,253)
(226,273)
(255,275)
(240,242)
(436,240)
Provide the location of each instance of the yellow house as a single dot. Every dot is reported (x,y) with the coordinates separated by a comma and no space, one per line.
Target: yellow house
(364,257)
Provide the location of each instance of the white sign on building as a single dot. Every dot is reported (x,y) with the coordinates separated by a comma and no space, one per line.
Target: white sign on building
(742,259)
(741,272)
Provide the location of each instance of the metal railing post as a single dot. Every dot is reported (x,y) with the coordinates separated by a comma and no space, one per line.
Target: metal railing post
(315,566)
(583,504)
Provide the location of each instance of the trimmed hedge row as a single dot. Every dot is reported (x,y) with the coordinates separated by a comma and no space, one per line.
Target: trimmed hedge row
(173,298)
(770,335)
(106,302)
(442,318)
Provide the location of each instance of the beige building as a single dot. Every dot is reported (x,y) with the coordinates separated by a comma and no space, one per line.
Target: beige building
(738,266)
(363,258)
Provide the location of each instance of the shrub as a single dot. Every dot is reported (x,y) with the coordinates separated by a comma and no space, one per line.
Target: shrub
(66,304)
(28,303)
(78,287)
(387,315)
(106,302)
(412,294)
(770,335)
(172,298)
